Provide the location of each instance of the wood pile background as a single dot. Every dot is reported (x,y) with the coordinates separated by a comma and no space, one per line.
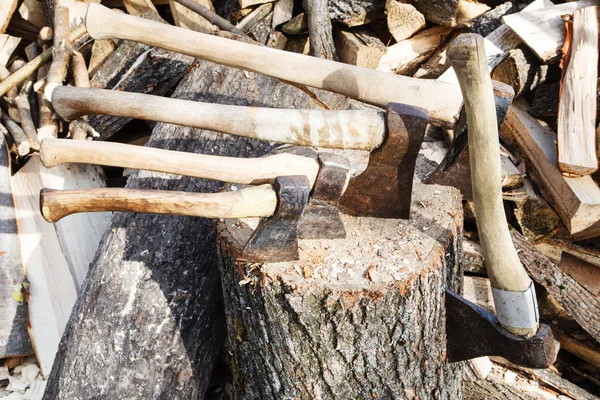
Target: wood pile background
(546,51)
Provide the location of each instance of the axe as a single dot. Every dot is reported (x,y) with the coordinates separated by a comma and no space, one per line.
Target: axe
(443,101)
(383,190)
(515,332)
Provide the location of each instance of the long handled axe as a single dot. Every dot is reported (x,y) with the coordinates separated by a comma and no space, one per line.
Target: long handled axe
(471,331)
(443,101)
(383,190)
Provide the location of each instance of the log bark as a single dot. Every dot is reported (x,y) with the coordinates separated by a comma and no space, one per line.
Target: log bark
(319,30)
(521,70)
(356,12)
(150,314)
(353,318)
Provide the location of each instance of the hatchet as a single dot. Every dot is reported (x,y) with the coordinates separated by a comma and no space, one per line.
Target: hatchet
(443,101)
(383,190)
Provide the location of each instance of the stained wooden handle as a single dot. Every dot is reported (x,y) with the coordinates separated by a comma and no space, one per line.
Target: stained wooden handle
(227,169)
(467,54)
(442,100)
(347,129)
(255,201)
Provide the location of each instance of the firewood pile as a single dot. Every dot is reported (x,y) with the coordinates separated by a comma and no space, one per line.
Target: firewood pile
(157,302)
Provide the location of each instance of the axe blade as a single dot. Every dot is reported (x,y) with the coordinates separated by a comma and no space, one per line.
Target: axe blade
(384,189)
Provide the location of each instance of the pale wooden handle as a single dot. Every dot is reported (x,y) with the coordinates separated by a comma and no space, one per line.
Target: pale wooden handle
(442,100)
(227,169)
(255,201)
(467,55)
(356,129)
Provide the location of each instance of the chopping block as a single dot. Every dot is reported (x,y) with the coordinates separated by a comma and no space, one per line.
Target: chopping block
(357,317)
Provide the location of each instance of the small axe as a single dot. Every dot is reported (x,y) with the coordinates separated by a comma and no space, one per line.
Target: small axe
(383,190)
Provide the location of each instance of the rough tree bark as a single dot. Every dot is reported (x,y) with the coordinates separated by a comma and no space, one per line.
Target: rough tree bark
(360,317)
(320,30)
(149,321)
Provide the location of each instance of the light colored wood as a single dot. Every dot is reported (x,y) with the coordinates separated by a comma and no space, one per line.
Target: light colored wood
(27,124)
(8,44)
(576,200)
(588,275)
(254,201)
(441,100)
(349,129)
(554,249)
(101,51)
(505,271)
(498,43)
(576,132)
(139,7)
(298,44)
(406,55)
(352,50)
(585,353)
(282,12)
(32,11)
(77,10)
(7,9)
(542,29)
(228,169)
(403,19)
(16,132)
(186,18)
(479,291)
(60,53)
(250,3)
(469,10)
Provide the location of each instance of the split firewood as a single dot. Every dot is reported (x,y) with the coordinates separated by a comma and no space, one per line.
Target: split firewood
(438,62)
(7,9)
(545,100)
(542,29)
(404,56)
(282,12)
(20,139)
(521,70)
(449,13)
(277,40)
(320,30)
(250,3)
(297,25)
(60,53)
(101,51)
(298,44)
(356,12)
(257,24)
(587,353)
(488,22)
(186,18)
(139,7)
(576,200)
(576,132)
(587,274)
(8,45)
(365,50)
(403,19)
(32,11)
(210,15)
(554,249)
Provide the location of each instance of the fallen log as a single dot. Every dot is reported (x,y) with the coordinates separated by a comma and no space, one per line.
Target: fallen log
(360,317)
(151,308)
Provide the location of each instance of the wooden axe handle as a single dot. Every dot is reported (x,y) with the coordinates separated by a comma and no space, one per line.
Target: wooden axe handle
(442,100)
(254,201)
(227,169)
(505,271)
(356,129)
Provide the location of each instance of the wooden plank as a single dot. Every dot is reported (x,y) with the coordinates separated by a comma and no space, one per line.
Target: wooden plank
(576,200)
(186,18)
(56,257)
(14,338)
(7,8)
(576,132)
(8,44)
(542,29)
(406,55)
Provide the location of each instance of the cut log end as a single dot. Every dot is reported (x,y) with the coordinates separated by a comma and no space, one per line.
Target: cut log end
(327,316)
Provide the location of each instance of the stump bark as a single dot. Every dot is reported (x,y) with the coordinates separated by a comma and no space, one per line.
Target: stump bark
(360,317)
(149,321)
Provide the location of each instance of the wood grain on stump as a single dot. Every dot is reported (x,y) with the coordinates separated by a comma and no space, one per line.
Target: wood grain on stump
(360,317)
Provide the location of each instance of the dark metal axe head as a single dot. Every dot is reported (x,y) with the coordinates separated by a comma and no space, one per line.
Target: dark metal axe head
(472,332)
(384,189)
(275,239)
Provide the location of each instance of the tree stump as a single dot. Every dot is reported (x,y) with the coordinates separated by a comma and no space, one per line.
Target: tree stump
(360,317)
(148,323)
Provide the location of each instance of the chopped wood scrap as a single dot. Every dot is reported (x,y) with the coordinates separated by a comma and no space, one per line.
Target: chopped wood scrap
(297,25)
(101,51)
(282,12)
(258,23)
(587,274)
(250,3)
(186,18)
(356,12)
(140,8)
(449,13)
(365,50)
(32,11)
(576,133)
(7,9)
(438,62)
(403,19)
(473,257)
(488,22)
(298,44)
(408,54)
(545,100)
(477,369)
(14,338)
(542,29)
(277,40)
(588,353)
(211,16)
(576,200)
(478,290)
(554,248)
(582,306)
(521,70)
(320,30)
(8,45)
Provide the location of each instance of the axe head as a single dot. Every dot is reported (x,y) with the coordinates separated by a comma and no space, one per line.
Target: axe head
(384,189)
